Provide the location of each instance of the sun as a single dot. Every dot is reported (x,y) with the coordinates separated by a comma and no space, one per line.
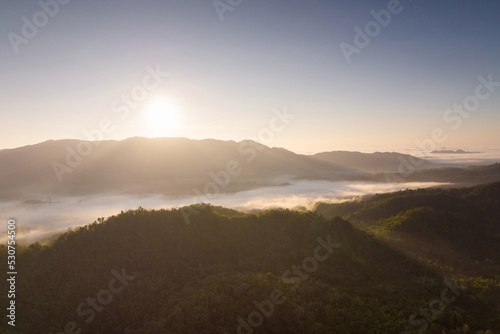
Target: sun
(162,118)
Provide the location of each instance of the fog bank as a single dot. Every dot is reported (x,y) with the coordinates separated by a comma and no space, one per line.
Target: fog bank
(39,219)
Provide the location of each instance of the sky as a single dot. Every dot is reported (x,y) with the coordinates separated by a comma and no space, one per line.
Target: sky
(309,76)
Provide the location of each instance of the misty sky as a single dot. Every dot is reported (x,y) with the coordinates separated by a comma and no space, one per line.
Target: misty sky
(227,76)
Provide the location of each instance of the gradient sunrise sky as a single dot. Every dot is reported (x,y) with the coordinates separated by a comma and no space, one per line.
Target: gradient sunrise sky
(230,67)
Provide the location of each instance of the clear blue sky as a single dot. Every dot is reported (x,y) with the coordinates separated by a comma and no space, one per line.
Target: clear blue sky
(227,76)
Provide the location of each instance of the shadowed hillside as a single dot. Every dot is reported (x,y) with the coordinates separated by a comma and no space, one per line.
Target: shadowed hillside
(456,229)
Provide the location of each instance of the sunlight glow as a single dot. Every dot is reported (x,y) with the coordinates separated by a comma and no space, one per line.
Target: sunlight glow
(162,118)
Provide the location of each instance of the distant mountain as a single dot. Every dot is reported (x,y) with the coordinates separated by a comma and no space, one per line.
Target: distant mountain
(151,165)
(451,152)
(175,166)
(372,162)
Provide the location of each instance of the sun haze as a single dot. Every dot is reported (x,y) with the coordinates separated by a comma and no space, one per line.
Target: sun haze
(356,74)
(162,118)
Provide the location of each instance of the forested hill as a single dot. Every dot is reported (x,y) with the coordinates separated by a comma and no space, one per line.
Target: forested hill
(225,272)
(456,227)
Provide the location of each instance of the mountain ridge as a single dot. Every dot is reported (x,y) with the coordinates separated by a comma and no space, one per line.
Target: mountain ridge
(72,166)
(174,166)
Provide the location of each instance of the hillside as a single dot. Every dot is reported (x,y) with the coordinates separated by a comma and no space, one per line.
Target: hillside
(225,272)
(456,229)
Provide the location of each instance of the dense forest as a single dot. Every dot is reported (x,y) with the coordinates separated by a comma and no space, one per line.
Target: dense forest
(415,261)
(457,228)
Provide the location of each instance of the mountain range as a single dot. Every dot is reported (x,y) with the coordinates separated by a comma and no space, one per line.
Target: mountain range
(175,165)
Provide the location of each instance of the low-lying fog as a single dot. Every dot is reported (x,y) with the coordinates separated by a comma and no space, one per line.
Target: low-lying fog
(37,220)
